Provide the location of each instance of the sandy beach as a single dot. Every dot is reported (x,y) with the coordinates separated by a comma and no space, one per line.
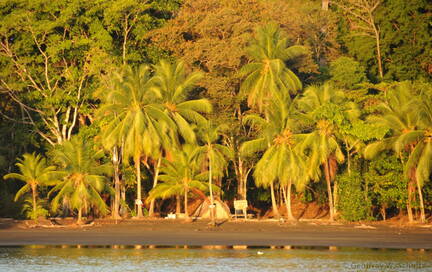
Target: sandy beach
(252,233)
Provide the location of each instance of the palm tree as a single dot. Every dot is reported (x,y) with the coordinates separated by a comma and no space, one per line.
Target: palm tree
(324,107)
(34,172)
(323,149)
(281,160)
(84,178)
(216,156)
(174,85)
(268,74)
(409,117)
(137,119)
(180,175)
(423,159)
(419,164)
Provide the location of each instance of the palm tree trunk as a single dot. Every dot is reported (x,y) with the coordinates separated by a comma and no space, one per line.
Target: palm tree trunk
(79,220)
(409,201)
(245,179)
(273,199)
(33,187)
(123,208)
(155,181)
(178,204)
(186,203)
(139,196)
(335,197)
(383,212)
(245,184)
(422,209)
(329,190)
(287,197)
(242,176)
(212,210)
(239,172)
(348,160)
(123,205)
(115,161)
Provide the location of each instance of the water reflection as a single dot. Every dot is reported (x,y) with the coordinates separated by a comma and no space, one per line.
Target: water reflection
(209,258)
(237,247)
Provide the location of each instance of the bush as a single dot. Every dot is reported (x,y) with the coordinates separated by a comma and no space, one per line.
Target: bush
(346,72)
(27,209)
(353,203)
(386,182)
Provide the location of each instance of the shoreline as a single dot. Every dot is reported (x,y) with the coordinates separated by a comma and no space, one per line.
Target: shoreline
(163,232)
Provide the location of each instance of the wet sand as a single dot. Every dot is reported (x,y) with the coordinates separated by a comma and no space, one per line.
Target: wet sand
(252,233)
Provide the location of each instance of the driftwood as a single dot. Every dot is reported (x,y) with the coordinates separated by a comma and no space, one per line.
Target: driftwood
(363,226)
(31,226)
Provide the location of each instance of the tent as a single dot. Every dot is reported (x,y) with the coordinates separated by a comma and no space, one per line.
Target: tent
(203,210)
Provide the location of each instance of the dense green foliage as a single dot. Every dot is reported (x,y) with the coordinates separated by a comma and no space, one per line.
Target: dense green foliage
(354,203)
(347,72)
(134,104)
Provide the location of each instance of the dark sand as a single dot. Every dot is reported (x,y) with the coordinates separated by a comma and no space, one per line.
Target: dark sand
(252,233)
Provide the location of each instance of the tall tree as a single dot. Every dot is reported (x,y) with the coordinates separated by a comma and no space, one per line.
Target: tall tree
(125,19)
(406,38)
(137,119)
(361,16)
(282,160)
(325,107)
(47,52)
(34,172)
(408,115)
(174,86)
(52,54)
(216,156)
(268,73)
(84,178)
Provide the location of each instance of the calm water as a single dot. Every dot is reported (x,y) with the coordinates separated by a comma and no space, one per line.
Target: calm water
(42,258)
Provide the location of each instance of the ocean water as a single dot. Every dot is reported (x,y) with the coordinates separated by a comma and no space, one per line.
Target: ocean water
(210,258)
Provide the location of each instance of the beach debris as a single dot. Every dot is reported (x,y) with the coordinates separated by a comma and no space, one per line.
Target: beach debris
(171,216)
(363,226)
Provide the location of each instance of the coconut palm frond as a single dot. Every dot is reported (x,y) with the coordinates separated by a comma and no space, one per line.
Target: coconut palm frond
(424,166)
(250,147)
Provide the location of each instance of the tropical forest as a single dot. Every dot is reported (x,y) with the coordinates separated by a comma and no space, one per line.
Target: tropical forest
(144,108)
